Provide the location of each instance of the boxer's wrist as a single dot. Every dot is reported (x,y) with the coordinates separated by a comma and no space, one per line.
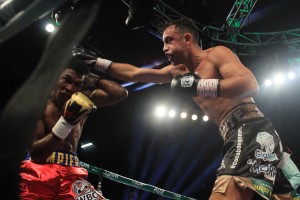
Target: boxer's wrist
(103,65)
(62,128)
(208,87)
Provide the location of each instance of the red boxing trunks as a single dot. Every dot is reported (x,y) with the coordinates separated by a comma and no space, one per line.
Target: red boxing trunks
(60,177)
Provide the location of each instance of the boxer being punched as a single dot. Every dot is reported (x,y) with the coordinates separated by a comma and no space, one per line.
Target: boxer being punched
(51,169)
(224,89)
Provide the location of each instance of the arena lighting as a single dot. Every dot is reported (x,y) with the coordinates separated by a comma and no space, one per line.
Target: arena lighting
(86,145)
(128,84)
(205,118)
(160,111)
(144,86)
(163,111)
(194,117)
(155,64)
(278,78)
(183,115)
(49,27)
(172,113)
(291,75)
(268,82)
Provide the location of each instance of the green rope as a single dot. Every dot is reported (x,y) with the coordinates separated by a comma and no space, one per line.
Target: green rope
(127,181)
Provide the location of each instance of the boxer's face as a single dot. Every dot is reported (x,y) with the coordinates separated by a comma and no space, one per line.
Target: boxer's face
(173,44)
(69,82)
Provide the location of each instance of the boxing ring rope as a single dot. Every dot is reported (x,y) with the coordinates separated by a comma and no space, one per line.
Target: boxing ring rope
(130,182)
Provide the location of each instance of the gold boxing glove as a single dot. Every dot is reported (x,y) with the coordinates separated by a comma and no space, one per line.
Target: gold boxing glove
(76,108)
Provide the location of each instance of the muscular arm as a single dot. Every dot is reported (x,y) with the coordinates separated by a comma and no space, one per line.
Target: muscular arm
(238,81)
(108,93)
(128,72)
(103,92)
(43,145)
(124,71)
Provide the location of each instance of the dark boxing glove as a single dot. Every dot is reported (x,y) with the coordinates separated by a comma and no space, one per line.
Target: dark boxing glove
(191,85)
(92,59)
(184,86)
(88,56)
(75,109)
(90,81)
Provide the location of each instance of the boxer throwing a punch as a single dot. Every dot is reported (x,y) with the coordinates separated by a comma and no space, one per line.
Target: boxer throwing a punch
(51,169)
(223,88)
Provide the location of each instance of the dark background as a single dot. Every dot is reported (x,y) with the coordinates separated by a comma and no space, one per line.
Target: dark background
(181,156)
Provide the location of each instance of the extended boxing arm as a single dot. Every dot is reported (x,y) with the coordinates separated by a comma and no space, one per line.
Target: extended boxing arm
(101,91)
(100,64)
(124,71)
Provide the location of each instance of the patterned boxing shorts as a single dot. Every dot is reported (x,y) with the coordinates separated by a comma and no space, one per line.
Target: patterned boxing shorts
(251,152)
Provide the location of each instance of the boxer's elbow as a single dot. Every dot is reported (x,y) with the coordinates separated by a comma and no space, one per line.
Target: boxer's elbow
(120,94)
(245,89)
(254,89)
(103,98)
(117,95)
